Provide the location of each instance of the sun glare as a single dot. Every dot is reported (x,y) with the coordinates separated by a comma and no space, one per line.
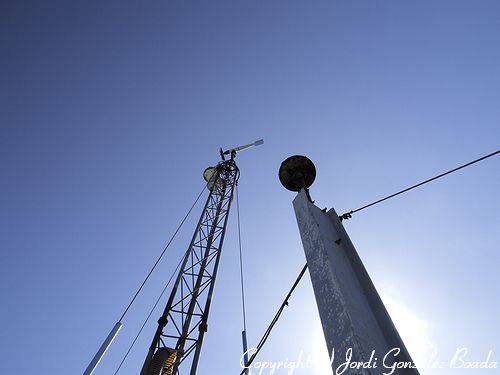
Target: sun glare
(413,330)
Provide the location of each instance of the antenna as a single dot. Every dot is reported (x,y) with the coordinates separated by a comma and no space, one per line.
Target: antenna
(233,151)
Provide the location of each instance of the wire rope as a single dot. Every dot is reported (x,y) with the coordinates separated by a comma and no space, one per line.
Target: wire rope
(348,215)
(161,255)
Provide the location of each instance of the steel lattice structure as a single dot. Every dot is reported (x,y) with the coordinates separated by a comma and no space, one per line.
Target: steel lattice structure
(177,343)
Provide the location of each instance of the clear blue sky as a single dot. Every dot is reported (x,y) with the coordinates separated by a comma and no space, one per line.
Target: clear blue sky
(111,110)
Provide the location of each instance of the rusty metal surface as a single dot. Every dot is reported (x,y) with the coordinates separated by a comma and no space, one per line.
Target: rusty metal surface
(297,172)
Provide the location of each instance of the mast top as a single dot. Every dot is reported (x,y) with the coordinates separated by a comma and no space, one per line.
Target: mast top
(233,151)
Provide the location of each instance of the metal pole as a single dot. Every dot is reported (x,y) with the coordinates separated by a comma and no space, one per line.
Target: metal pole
(351,312)
(245,350)
(102,350)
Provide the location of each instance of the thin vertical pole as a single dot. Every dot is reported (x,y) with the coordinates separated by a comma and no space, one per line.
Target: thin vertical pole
(102,350)
(245,350)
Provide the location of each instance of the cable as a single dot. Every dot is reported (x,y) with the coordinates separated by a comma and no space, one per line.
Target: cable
(244,332)
(348,215)
(149,315)
(275,319)
(161,255)
(241,261)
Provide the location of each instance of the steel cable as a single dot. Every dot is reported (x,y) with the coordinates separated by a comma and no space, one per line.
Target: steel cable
(348,215)
(161,255)
(275,319)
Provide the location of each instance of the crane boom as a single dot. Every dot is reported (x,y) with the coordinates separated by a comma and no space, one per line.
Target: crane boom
(176,345)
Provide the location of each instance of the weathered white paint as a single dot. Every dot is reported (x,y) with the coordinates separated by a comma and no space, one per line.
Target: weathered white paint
(351,311)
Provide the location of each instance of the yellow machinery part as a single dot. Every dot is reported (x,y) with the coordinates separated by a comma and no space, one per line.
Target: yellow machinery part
(168,365)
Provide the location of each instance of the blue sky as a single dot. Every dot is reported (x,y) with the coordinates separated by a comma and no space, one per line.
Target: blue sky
(112,110)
